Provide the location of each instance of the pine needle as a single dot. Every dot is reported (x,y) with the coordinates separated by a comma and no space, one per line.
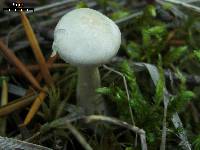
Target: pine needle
(17,104)
(38,101)
(4,101)
(11,57)
(36,49)
(35,106)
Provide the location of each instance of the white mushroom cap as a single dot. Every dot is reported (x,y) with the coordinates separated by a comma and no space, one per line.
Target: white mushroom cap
(86,37)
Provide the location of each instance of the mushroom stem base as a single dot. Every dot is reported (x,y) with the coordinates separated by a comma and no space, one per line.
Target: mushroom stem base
(88,82)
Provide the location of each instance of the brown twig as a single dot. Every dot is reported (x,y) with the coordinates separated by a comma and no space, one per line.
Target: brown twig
(11,57)
(26,100)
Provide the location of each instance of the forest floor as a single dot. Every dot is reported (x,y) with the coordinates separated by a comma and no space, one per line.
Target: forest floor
(152,86)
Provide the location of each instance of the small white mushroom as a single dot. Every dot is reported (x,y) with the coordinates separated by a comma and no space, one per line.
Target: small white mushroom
(87,39)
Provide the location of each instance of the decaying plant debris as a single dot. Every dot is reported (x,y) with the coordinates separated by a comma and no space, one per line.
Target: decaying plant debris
(152,86)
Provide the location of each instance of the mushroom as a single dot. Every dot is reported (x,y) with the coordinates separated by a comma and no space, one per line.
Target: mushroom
(87,39)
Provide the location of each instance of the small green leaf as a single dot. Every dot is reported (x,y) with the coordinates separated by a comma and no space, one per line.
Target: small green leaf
(152,10)
(167,6)
(150,137)
(133,50)
(156,32)
(196,143)
(160,86)
(197,54)
(159,91)
(174,54)
(187,95)
(120,95)
(81,4)
(104,90)
(128,148)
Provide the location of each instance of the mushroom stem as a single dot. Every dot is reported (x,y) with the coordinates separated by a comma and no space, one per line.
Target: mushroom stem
(88,82)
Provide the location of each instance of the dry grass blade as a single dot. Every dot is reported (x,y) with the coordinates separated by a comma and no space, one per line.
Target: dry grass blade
(16,62)
(94,118)
(17,104)
(4,101)
(64,121)
(135,129)
(126,88)
(35,106)
(4,94)
(36,49)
